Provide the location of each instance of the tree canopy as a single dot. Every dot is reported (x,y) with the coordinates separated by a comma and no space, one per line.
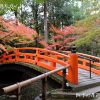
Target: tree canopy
(88,29)
(40,15)
(13,33)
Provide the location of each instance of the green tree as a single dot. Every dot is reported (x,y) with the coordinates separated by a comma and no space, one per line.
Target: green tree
(12,5)
(88,31)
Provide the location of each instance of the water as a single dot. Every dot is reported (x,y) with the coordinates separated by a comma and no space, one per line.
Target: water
(34,90)
(27,93)
(31,91)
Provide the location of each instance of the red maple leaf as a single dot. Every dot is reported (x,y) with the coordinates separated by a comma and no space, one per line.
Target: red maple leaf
(62,38)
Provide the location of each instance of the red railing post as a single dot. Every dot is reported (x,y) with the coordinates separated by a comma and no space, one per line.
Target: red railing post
(37,58)
(53,64)
(17,54)
(73,69)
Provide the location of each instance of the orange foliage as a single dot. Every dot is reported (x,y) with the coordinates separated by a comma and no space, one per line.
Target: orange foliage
(62,38)
(42,42)
(10,27)
(13,29)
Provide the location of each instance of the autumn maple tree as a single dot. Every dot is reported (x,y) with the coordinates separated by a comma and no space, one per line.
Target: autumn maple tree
(13,33)
(61,39)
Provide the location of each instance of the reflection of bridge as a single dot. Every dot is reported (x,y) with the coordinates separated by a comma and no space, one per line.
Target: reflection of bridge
(85,73)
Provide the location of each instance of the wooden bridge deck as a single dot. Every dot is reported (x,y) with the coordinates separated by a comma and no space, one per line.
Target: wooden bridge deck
(86,88)
(85,82)
(84,76)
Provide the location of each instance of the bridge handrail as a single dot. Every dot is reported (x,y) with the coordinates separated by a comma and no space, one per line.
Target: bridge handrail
(47,52)
(93,58)
(87,61)
(84,62)
(53,57)
(50,59)
(34,58)
(31,80)
(58,57)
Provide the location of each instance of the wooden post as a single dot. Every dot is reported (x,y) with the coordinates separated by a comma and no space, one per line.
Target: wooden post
(90,68)
(64,79)
(30,81)
(73,69)
(44,88)
(18,92)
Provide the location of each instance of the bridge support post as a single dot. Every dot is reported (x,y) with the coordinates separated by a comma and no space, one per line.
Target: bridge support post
(44,87)
(64,79)
(73,69)
(90,68)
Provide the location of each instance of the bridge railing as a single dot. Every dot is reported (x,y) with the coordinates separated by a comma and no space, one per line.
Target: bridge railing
(86,61)
(46,59)
(51,60)
(44,76)
(41,57)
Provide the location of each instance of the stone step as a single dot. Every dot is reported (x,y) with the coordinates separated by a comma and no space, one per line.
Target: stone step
(92,93)
(86,85)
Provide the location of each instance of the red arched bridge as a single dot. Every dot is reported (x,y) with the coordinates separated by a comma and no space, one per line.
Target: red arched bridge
(82,70)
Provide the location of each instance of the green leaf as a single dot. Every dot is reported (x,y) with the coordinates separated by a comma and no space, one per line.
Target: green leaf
(40,1)
(10,4)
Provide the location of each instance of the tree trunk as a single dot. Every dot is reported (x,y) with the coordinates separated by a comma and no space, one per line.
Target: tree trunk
(16,16)
(21,16)
(45,22)
(36,18)
(35,15)
(16,13)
